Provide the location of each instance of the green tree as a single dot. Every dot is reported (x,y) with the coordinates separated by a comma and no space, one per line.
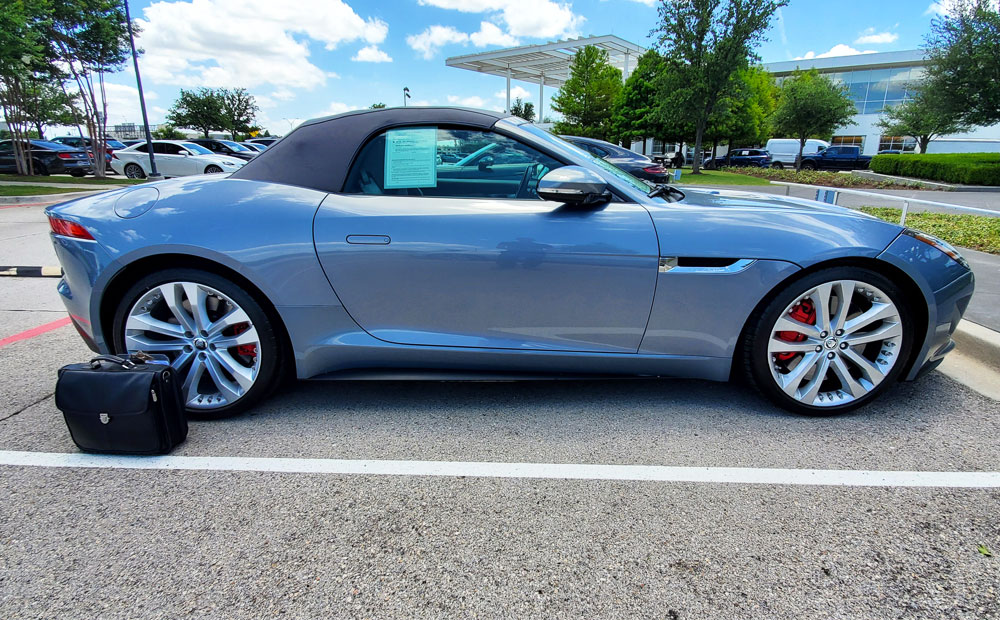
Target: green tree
(810,105)
(377,106)
(923,117)
(963,53)
(711,40)
(239,110)
(200,109)
(586,98)
(168,132)
(91,38)
(26,55)
(50,104)
(745,113)
(523,109)
(635,114)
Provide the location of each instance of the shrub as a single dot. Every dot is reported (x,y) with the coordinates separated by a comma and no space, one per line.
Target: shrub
(961,168)
(819,177)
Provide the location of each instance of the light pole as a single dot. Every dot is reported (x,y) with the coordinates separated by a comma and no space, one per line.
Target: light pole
(153,174)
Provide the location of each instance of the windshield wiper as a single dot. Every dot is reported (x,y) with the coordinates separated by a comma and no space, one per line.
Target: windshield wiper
(662,189)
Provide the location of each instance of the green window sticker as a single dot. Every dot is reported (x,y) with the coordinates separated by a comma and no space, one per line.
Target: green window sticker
(411,158)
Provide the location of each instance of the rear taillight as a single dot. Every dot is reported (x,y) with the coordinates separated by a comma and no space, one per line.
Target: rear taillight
(113,155)
(64,155)
(67,228)
(657,169)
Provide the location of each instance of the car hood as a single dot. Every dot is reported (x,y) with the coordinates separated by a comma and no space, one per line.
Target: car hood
(738,224)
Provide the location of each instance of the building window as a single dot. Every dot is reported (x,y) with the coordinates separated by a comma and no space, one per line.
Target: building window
(903,144)
(849,141)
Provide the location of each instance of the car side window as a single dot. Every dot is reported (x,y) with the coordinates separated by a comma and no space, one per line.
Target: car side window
(143,148)
(447,162)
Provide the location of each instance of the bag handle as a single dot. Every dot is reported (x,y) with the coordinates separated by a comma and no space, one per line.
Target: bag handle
(95,363)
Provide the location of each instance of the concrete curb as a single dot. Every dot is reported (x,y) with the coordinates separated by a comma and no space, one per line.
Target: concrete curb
(978,342)
(30,272)
(46,198)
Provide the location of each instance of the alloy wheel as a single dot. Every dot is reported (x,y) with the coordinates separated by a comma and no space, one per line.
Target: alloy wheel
(207,338)
(835,343)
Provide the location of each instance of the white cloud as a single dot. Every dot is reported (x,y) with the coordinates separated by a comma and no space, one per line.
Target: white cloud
(428,42)
(515,92)
(246,42)
(123,105)
(336,107)
(781,27)
(840,49)
(371,53)
(544,19)
(870,37)
(468,102)
(433,38)
(945,8)
(283,94)
(490,34)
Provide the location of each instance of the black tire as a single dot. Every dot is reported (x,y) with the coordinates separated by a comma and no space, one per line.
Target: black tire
(40,169)
(778,165)
(134,171)
(76,173)
(808,166)
(212,169)
(757,362)
(272,350)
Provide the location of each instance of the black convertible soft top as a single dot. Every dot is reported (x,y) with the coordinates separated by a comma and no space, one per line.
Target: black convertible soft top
(319,152)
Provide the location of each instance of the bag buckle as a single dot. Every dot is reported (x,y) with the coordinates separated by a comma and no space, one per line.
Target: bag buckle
(105,418)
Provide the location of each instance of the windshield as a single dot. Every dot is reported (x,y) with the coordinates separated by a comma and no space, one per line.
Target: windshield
(632,181)
(115,144)
(235,146)
(196,148)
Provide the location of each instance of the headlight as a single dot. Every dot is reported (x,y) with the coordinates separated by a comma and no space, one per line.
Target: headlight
(940,244)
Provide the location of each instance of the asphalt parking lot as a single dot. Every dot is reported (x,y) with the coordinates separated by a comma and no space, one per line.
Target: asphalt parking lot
(115,542)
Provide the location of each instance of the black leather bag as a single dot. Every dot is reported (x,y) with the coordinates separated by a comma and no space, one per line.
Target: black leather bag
(115,405)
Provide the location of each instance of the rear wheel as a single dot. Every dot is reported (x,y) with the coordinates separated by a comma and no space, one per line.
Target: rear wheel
(778,165)
(134,171)
(829,342)
(214,334)
(213,169)
(808,165)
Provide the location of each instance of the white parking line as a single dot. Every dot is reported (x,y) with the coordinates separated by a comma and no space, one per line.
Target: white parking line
(655,473)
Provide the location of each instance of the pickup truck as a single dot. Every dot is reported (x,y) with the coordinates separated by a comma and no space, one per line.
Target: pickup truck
(837,158)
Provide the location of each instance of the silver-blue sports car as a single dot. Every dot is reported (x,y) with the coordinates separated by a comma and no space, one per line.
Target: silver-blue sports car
(455,243)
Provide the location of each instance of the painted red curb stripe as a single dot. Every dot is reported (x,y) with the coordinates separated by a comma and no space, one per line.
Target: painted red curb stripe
(35,331)
(29,204)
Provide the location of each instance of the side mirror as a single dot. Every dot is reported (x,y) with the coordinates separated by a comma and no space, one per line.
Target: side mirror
(184,153)
(486,163)
(574,185)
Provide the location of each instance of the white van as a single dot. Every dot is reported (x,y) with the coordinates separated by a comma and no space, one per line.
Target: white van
(784,150)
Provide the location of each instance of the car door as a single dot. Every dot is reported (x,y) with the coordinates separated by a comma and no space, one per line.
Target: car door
(466,261)
(168,160)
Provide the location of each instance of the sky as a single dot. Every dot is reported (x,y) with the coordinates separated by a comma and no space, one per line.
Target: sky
(307,58)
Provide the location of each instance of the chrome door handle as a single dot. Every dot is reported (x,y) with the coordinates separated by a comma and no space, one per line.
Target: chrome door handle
(369,239)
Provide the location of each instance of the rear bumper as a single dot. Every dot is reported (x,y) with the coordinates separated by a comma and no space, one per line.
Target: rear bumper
(81,261)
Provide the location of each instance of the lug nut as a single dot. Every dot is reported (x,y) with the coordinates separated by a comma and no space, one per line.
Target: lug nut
(830,355)
(818,348)
(823,334)
(840,332)
(188,335)
(843,345)
(204,333)
(212,346)
(202,355)
(187,348)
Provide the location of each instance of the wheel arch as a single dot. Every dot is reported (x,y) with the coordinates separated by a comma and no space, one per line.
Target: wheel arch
(136,270)
(910,288)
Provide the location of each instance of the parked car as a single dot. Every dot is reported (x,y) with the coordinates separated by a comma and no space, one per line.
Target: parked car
(381,259)
(174,158)
(636,164)
(48,158)
(837,158)
(784,151)
(265,141)
(757,158)
(84,142)
(254,146)
(226,147)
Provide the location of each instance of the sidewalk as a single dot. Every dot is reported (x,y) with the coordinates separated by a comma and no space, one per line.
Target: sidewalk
(93,186)
(985,306)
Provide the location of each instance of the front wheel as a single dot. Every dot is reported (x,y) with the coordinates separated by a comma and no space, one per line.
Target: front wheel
(778,165)
(76,173)
(829,342)
(215,335)
(808,166)
(134,171)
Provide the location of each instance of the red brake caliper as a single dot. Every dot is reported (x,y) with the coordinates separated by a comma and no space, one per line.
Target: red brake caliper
(247,350)
(804,312)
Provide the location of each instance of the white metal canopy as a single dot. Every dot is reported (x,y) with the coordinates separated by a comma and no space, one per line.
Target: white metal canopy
(546,64)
